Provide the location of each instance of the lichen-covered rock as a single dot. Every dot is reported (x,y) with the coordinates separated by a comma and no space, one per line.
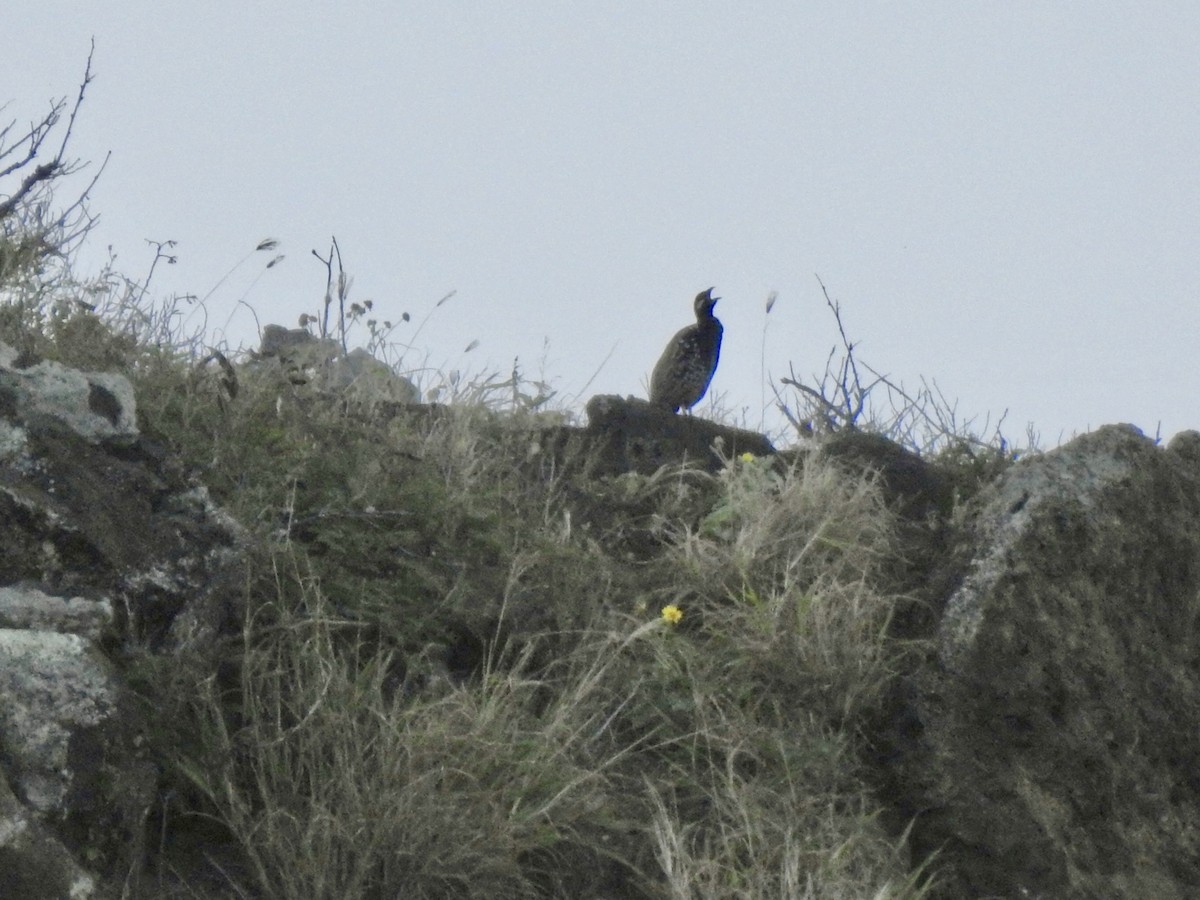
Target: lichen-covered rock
(108,520)
(1052,749)
(104,542)
(94,405)
(61,697)
(26,607)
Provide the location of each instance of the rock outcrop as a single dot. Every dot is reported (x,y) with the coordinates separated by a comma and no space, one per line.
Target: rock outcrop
(104,544)
(1051,748)
(324,365)
(631,435)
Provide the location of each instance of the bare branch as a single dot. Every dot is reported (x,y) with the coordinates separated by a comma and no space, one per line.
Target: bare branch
(33,137)
(54,233)
(160,255)
(71,235)
(87,79)
(45,172)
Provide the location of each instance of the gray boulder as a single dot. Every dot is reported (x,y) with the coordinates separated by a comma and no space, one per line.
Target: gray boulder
(323,365)
(94,405)
(1051,748)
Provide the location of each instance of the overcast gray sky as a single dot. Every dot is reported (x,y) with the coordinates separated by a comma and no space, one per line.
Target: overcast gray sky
(1004,196)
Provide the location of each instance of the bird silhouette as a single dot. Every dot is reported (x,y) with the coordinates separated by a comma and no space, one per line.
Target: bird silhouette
(687,365)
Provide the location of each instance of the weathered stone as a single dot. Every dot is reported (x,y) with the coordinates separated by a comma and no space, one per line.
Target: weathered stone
(631,435)
(116,522)
(103,542)
(26,607)
(1052,748)
(72,754)
(13,442)
(1186,445)
(95,405)
(366,379)
(53,685)
(277,340)
(322,364)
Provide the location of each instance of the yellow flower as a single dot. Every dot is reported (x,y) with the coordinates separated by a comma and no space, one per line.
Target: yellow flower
(747,457)
(671,614)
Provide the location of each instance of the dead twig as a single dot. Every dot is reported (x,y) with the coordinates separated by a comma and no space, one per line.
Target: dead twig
(842,399)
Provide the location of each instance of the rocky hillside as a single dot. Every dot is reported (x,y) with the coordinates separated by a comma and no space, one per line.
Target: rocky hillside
(272,628)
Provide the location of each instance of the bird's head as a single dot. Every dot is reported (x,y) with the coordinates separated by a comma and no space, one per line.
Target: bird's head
(704,304)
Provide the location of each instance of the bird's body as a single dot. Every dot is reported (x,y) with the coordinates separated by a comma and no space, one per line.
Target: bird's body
(686,367)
